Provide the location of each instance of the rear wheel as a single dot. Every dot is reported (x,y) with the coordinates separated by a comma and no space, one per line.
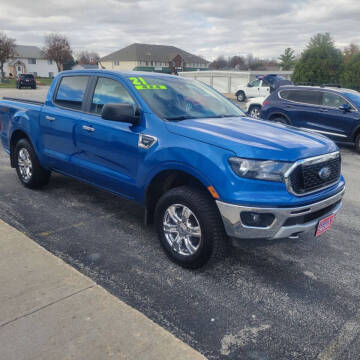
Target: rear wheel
(28,168)
(357,143)
(241,96)
(255,111)
(280,119)
(189,227)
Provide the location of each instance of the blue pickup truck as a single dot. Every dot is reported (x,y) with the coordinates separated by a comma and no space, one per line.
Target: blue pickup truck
(201,169)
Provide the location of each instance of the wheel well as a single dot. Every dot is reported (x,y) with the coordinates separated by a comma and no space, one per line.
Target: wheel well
(357,132)
(274,116)
(254,105)
(16,136)
(163,182)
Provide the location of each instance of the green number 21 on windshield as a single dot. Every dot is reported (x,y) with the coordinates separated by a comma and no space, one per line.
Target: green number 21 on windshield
(140,84)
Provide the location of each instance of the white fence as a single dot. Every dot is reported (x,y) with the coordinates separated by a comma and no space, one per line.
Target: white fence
(228,82)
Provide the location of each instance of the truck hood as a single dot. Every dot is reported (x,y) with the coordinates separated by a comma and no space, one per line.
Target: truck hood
(258,139)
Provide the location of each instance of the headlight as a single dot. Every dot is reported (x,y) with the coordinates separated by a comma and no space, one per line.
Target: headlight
(259,169)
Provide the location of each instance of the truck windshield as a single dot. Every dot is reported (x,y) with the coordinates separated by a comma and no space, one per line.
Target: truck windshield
(177,99)
(355,98)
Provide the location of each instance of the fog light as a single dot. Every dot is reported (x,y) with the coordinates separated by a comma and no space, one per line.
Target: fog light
(254,219)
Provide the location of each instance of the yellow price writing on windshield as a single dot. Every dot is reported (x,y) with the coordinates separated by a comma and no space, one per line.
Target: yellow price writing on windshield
(140,84)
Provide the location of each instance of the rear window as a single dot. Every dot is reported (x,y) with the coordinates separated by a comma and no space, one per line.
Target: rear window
(27,76)
(71,91)
(310,97)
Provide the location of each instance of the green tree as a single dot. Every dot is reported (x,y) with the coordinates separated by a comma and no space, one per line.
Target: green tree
(287,59)
(351,76)
(321,62)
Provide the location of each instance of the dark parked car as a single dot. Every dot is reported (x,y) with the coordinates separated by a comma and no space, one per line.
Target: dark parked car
(332,111)
(26,80)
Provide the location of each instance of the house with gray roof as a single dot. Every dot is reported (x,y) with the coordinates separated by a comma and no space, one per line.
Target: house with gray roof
(158,58)
(30,60)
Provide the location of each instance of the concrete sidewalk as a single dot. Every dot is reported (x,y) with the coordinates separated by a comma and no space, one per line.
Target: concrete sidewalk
(48,310)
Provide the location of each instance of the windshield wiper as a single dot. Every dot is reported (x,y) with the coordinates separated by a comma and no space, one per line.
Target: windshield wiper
(223,116)
(178,118)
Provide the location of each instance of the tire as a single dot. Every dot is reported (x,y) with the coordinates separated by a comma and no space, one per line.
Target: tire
(204,220)
(241,97)
(31,174)
(255,111)
(357,143)
(280,119)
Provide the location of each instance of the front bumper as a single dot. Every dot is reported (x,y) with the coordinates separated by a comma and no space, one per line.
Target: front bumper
(288,222)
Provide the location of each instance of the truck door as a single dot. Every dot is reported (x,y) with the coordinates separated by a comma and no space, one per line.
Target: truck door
(58,120)
(264,89)
(108,150)
(253,89)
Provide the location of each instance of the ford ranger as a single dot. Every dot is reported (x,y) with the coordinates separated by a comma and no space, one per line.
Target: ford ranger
(202,170)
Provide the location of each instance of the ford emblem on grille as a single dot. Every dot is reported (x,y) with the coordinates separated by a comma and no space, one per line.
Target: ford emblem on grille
(324,173)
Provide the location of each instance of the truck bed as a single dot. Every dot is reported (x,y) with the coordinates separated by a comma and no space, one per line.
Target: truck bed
(33,102)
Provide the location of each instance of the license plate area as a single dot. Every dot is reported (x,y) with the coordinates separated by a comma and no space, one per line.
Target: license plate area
(324,224)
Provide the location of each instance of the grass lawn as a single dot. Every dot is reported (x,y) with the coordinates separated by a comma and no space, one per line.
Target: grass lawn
(39,82)
(11,84)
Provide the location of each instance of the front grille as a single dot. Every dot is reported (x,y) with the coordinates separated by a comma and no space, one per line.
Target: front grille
(306,177)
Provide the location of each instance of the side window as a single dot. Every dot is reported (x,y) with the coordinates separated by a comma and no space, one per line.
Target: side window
(108,91)
(255,83)
(265,84)
(309,97)
(71,91)
(332,100)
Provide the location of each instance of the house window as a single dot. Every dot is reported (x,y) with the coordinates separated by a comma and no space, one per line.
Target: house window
(51,75)
(146,63)
(35,74)
(151,63)
(32,61)
(116,62)
(49,62)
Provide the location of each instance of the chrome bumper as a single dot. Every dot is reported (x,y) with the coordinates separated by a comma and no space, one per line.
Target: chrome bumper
(234,227)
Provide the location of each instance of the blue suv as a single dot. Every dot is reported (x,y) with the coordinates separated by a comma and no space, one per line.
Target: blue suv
(332,111)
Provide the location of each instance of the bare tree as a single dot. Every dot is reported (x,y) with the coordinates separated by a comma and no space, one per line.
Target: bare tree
(7,50)
(57,48)
(88,58)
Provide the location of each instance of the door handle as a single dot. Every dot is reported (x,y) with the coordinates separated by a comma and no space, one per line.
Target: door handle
(88,128)
(50,118)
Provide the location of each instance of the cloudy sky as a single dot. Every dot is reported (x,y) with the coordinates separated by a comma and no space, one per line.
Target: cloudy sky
(207,28)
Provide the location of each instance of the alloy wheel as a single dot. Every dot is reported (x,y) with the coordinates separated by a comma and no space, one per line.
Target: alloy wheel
(182,229)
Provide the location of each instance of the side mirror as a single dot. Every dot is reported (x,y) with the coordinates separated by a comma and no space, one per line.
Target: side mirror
(249,85)
(123,112)
(345,107)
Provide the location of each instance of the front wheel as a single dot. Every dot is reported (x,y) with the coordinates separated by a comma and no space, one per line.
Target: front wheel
(241,97)
(28,168)
(189,227)
(255,111)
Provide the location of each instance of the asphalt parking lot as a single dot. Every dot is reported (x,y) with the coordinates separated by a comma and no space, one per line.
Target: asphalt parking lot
(285,299)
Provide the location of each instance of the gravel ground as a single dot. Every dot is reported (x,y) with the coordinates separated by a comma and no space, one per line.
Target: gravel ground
(285,299)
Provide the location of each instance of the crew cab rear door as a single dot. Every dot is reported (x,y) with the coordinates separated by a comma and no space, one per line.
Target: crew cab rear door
(107,150)
(58,120)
